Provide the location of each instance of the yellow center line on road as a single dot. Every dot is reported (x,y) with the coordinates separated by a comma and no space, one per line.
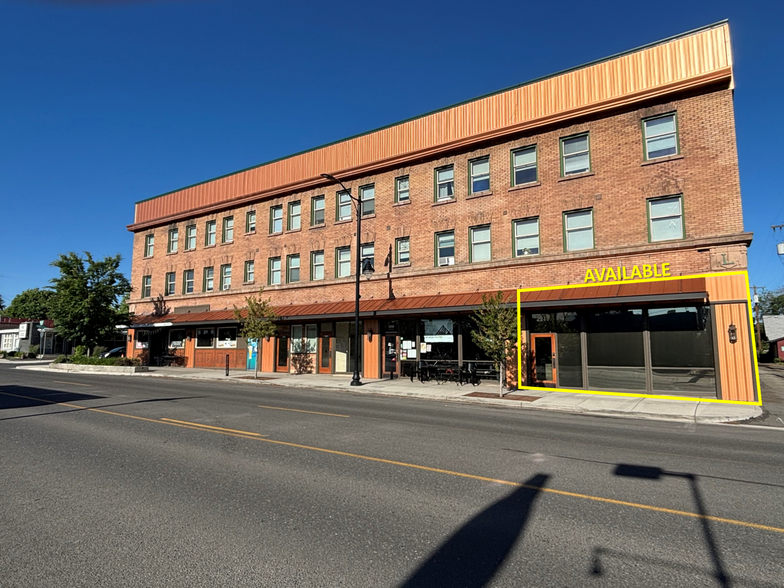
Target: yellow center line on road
(345,416)
(74,383)
(211,427)
(589,497)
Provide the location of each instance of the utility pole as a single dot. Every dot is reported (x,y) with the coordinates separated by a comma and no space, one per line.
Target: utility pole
(756,304)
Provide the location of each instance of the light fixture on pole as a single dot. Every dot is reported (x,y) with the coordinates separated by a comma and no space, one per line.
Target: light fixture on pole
(362,268)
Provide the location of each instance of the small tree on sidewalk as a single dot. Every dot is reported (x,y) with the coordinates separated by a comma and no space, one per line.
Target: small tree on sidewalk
(496,332)
(257,322)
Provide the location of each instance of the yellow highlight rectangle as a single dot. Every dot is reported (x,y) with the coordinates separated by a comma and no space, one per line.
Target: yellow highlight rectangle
(520,385)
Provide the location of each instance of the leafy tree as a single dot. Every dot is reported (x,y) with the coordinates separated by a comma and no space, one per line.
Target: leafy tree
(496,332)
(87,304)
(257,321)
(30,304)
(772,302)
(2,302)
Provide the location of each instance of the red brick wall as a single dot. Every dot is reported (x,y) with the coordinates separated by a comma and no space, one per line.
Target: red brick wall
(706,174)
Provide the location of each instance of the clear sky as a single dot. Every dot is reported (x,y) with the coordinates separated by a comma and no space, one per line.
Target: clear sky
(103,103)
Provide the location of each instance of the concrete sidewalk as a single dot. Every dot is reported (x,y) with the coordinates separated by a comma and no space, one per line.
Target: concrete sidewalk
(485,393)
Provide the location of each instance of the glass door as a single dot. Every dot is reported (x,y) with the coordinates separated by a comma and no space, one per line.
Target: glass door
(544,369)
(325,349)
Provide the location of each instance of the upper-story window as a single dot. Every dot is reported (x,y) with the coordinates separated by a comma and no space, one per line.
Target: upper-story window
(575,155)
(295,216)
(250,221)
(149,245)
(317,211)
(187,281)
(317,265)
(343,262)
(402,250)
(526,236)
(174,238)
(524,169)
(273,271)
(367,195)
(445,248)
(344,206)
(368,252)
(225,277)
(401,189)
(661,136)
(481,249)
(578,230)
(170,283)
(190,237)
(208,281)
(479,170)
(146,286)
(666,218)
(445,183)
(276,219)
(228,230)
(292,268)
(250,272)
(209,233)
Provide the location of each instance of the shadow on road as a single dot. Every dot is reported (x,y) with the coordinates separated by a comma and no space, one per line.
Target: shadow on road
(474,554)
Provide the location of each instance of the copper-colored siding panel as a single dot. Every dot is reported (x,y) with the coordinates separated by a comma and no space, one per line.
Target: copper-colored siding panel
(690,60)
(735,359)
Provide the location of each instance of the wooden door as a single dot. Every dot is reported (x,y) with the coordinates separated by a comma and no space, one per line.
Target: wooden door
(544,368)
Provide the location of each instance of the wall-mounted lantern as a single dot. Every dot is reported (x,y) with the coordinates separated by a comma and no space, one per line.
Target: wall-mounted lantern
(733,333)
(370,335)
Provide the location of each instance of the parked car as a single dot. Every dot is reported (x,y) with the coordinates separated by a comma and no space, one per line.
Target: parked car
(116,352)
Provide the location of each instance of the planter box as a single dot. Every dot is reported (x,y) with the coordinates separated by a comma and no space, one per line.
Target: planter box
(100,369)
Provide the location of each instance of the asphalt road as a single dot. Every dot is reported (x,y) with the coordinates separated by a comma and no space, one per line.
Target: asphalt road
(118,481)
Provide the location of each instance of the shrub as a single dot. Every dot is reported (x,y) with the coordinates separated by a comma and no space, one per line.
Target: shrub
(98,349)
(34,349)
(30,355)
(2,354)
(80,350)
(11,354)
(60,359)
(778,360)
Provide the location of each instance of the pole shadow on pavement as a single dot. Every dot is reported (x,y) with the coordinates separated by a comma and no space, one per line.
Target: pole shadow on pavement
(477,551)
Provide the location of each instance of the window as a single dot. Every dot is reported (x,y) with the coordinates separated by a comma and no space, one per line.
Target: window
(250,221)
(295,216)
(524,169)
(402,246)
(228,230)
(310,338)
(227,338)
(292,268)
(207,284)
(250,272)
(297,344)
(317,265)
(276,219)
(209,233)
(480,175)
(190,237)
(187,281)
(368,252)
(343,262)
(445,183)
(578,229)
(344,206)
(225,277)
(174,238)
(481,249)
(316,211)
(149,245)
(526,237)
(273,271)
(171,278)
(666,218)
(575,155)
(445,248)
(146,286)
(205,337)
(661,136)
(367,195)
(401,189)
(177,338)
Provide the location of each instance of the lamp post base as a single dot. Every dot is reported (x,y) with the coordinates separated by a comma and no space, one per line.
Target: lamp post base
(355,381)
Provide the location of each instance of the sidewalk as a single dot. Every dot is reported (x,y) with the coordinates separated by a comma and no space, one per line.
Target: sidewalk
(485,393)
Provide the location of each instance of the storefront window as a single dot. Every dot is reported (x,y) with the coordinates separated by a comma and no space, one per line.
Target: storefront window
(439,339)
(227,338)
(177,338)
(205,337)
(142,339)
(616,354)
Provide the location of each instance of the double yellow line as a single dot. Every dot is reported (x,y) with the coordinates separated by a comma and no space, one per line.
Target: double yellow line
(259,437)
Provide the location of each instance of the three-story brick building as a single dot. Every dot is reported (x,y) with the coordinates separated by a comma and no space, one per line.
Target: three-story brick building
(624,165)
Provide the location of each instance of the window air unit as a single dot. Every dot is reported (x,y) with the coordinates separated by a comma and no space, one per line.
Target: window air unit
(446,261)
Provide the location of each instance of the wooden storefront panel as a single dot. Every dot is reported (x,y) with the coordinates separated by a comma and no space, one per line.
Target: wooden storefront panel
(371,350)
(736,367)
(268,355)
(216,358)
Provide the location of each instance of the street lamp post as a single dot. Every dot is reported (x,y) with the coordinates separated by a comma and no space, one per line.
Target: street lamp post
(366,269)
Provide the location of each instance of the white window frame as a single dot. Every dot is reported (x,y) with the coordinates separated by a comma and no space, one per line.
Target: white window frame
(315,264)
(342,265)
(210,233)
(250,221)
(250,271)
(227,234)
(474,242)
(149,245)
(399,191)
(209,280)
(146,286)
(290,259)
(171,284)
(521,222)
(568,232)
(276,219)
(344,203)
(443,261)
(478,177)
(315,209)
(647,137)
(225,277)
(576,154)
(295,216)
(174,241)
(525,166)
(186,281)
(190,237)
(399,250)
(651,218)
(448,183)
(273,271)
(367,198)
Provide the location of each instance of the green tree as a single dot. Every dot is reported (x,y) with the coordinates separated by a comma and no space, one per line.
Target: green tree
(30,304)
(772,302)
(496,332)
(256,321)
(87,305)
(2,303)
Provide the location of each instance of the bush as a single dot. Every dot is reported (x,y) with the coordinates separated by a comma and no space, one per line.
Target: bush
(80,350)
(60,359)
(122,361)
(11,354)
(2,354)
(126,361)
(778,360)
(34,349)
(30,355)
(98,349)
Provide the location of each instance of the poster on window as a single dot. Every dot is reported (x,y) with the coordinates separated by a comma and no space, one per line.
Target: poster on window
(227,344)
(439,331)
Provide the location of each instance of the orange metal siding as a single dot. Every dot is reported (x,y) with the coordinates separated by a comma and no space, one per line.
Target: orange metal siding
(370,350)
(736,370)
(700,58)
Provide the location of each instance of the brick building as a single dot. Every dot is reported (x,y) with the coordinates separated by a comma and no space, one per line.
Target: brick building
(626,162)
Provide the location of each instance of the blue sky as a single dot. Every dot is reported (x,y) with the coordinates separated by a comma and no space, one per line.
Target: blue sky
(103,103)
